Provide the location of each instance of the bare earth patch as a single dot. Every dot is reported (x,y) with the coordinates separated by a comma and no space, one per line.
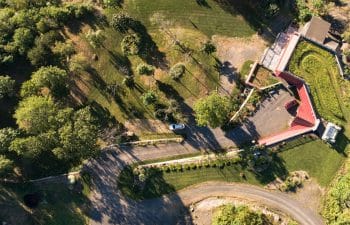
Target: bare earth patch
(233,52)
(310,195)
(238,50)
(140,126)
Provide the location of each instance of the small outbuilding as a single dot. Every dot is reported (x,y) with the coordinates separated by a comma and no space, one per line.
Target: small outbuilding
(316,30)
(331,132)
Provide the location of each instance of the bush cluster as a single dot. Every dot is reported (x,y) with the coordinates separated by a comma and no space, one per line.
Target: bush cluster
(145,69)
(177,71)
(218,163)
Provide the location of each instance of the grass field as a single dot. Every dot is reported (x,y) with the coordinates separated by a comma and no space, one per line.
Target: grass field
(318,67)
(160,183)
(263,78)
(315,157)
(210,18)
(58,206)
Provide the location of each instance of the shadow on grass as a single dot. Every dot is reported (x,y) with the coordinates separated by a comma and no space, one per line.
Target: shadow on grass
(154,186)
(341,144)
(58,204)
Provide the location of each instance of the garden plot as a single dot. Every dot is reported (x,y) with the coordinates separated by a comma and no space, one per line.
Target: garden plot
(319,69)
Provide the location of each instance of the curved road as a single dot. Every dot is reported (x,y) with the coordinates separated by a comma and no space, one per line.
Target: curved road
(109,206)
(274,200)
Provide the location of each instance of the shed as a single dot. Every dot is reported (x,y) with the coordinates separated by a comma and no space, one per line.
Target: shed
(331,132)
(316,30)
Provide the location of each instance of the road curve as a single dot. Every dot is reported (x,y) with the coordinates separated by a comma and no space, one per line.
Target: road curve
(272,199)
(111,207)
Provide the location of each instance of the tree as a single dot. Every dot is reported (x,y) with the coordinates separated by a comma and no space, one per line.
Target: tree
(229,215)
(129,81)
(7,135)
(33,146)
(78,136)
(149,98)
(95,38)
(212,110)
(208,47)
(36,114)
(145,69)
(177,71)
(23,39)
(122,22)
(63,49)
(6,166)
(131,44)
(50,77)
(6,86)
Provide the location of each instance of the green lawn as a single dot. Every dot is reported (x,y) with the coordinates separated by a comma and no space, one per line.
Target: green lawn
(319,69)
(160,183)
(211,19)
(58,206)
(312,156)
(316,158)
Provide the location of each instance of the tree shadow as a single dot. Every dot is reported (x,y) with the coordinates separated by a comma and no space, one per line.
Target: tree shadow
(121,62)
(341,144)
(255,13)
(149,49)
(203,3)
(116,208)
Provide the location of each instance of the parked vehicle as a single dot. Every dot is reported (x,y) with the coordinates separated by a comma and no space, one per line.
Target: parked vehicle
(179,126)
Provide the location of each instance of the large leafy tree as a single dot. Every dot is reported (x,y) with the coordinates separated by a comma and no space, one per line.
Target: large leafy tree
(212,110)
(229,214)
(78,136)
(50,77)
(6,165)
(7,135)
(36,114)
(6,86)
(23,39)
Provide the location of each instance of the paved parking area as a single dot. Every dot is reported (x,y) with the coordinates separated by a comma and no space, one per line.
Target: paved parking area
(270,118)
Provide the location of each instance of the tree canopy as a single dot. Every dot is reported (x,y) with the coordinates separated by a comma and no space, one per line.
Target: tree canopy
(6,86)
(212,110)
(50,77)
(231,215)
(36,114)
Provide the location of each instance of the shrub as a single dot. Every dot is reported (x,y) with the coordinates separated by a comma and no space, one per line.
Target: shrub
(129,81)
(206,164)
(213,164)
(193,166)
(122,22)
(149,98)
(177,71)
(131,44)
(6,86)
(208,47)
(179,167)
(187,166)
(166,169)
(145,69)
